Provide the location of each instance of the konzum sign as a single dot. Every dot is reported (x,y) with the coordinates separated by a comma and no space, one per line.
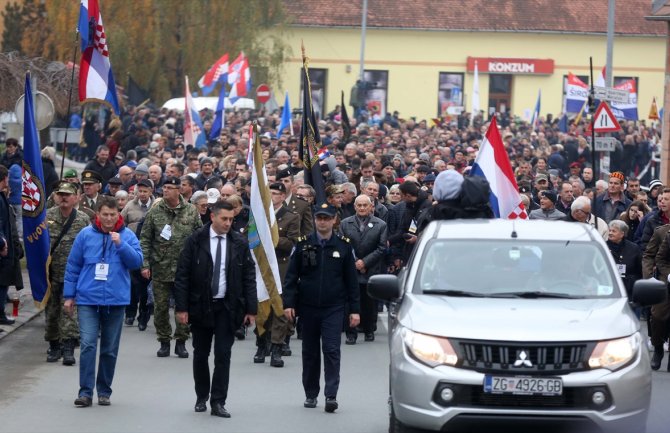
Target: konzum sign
(497,65)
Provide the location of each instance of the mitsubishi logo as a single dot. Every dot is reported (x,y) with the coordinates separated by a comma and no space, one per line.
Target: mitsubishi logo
(522,360)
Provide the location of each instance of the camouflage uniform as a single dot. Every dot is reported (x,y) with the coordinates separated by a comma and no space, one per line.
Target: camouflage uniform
(160,256)
(60,326)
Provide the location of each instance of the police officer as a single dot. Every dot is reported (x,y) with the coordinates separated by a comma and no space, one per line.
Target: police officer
(166,227)
(320,284)
(64,222)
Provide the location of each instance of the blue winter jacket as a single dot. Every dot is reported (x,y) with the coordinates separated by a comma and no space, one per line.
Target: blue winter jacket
(87,251)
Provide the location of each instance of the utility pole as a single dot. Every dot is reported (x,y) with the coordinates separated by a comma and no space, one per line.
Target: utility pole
(364,22)
(610,42)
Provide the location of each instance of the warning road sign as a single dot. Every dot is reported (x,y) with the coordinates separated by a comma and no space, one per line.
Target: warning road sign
(604,120)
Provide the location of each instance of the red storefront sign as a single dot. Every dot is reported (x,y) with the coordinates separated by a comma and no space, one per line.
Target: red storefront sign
(499,65)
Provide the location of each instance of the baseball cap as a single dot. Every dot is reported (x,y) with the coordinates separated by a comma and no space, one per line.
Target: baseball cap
(66,188)
(213,195)
(115,181)
(540,177)
(145,182)
(325,209)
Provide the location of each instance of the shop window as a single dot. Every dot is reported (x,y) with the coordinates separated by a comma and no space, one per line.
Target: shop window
(449,93)
(318,79)
(376,97)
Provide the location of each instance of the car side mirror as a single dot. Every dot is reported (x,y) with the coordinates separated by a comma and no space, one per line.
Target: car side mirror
(384,287)
(649,292)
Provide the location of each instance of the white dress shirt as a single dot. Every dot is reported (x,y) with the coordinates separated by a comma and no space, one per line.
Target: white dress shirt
(213,242)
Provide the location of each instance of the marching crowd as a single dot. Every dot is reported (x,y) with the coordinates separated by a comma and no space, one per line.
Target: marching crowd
(152,224)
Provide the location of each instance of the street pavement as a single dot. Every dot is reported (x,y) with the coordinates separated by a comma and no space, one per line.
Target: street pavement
(156,394)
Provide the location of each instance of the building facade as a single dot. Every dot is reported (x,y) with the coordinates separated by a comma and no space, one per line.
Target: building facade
(420,60)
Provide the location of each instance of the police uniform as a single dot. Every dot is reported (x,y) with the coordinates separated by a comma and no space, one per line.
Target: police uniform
(320,284)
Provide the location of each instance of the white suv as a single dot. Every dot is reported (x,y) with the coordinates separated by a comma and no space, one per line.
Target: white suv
(525,322)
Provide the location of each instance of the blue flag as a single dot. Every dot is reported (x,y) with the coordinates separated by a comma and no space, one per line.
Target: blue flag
(33,203)
(220,119)
(563,123)
(285,117)
(535,121)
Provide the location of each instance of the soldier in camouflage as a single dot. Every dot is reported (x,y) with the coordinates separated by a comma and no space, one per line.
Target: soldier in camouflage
(62,330)
(166,227)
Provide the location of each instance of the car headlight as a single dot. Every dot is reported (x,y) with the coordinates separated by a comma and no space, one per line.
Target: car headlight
(614,354)
(430,350)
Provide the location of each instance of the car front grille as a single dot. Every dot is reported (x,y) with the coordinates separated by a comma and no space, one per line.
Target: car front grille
(523,358)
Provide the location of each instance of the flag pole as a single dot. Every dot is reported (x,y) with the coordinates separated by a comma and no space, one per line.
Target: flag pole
(69,101)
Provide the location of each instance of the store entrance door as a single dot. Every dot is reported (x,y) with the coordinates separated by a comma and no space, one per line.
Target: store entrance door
(500,92)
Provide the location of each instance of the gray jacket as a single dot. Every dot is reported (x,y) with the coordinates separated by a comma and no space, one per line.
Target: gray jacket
(540,214)
(369,245)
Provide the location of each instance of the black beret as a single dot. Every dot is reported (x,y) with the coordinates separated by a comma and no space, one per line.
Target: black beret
(172,180)
(278,186)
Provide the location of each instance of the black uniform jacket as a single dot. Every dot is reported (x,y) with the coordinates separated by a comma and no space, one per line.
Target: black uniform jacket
(193,279)
(322,276)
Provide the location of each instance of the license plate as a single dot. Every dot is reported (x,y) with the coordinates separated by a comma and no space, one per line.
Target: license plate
(523,385)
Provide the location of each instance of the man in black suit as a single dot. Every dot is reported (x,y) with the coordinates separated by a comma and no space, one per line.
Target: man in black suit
(215,291)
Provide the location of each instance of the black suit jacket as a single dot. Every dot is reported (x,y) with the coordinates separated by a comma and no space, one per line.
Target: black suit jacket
(193,279)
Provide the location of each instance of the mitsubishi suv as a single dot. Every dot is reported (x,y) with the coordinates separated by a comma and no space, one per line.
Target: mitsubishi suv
(524,323)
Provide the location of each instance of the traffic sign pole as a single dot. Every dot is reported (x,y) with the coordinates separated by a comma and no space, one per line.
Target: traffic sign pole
(592,109)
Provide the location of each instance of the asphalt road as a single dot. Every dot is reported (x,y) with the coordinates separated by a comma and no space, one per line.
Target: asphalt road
(156,394)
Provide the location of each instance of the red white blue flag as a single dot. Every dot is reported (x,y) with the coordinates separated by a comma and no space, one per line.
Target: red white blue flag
(627,110)
(96,81)
(194,134)
(576,94)
(492,163)
(218,73)
(239,78)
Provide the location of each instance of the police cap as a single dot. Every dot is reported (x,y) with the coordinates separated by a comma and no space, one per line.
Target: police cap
(325,209)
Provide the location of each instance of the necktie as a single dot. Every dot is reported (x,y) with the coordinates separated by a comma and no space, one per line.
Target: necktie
(217,268)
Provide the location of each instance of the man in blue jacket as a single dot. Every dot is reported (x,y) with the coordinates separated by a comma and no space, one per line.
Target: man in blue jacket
(98,281)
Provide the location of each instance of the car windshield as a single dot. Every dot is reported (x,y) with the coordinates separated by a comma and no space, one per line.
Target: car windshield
(513,268)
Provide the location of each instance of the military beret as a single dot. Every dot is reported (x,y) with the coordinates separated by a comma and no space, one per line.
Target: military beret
(325,209)
(69,173)
(90,176)
(65,187)
(172,180)
(278,186)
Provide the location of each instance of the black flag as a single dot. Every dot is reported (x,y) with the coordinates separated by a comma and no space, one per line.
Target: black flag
(310,139)
(346,126)
(136,94)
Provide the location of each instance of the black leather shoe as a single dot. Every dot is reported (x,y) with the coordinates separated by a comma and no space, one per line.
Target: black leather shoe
(6,321)
(331,404)
(200,405)
(218,409)
(83,401)
(657,357)
(241,333)
(369,336)
(351,339)
(129,321)
(310,403)
(164,351)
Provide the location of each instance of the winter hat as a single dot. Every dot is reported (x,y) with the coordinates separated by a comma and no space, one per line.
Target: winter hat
(551,195)
(447,185)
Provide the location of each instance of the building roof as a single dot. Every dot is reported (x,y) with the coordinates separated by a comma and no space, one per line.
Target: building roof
(565,16)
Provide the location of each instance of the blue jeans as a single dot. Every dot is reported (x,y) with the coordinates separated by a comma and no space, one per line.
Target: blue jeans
(109,320)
